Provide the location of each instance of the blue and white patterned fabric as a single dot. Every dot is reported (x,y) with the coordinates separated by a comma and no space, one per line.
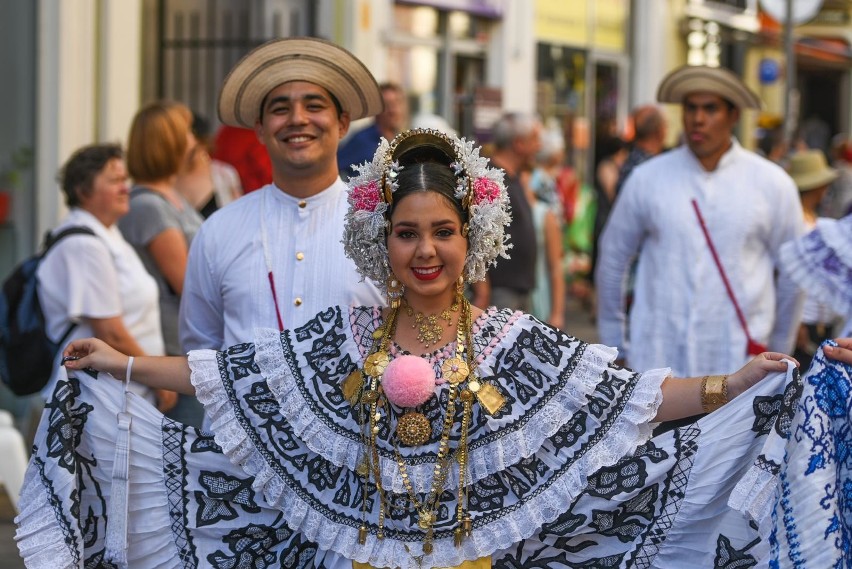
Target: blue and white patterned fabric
(565,476)
(812,521)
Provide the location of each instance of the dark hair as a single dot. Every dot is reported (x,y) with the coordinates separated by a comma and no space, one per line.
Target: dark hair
(78,174)
(426,169)
(648,121)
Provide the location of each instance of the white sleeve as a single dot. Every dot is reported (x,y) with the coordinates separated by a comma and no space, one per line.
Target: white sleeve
(201,323)
(85,263)
(619,243)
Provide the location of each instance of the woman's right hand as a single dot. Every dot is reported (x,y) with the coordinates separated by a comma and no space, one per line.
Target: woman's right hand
(95,354)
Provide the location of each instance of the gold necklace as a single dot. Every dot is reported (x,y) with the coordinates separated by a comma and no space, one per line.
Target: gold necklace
(429,330)
(367,395)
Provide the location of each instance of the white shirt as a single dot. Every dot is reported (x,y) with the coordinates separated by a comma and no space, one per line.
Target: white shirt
(227,292)
(681,315)
(85,277)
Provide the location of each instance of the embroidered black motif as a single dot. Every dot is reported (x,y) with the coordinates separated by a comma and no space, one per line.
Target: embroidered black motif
(626,475)
(299,554)
(628,520)
(239,360)
(316,325)
(205,443)
(220,492)
(729,557)
(792,395)
(261,401)
(251,547)
(67,421)
(765,411)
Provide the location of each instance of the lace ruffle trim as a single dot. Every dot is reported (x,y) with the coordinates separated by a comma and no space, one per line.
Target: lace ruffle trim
(40,538)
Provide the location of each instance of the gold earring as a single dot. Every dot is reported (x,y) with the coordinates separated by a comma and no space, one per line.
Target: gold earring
(460,285)
(395,289)
(465,230)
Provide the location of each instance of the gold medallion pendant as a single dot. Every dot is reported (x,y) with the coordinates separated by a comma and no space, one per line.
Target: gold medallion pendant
(376,363)
(455,370)
(413,429)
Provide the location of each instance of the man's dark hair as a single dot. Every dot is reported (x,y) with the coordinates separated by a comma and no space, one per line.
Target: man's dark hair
(647,123)
(78,174)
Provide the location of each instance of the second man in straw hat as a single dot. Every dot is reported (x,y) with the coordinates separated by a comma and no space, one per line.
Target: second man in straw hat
(683,314)
(274,258)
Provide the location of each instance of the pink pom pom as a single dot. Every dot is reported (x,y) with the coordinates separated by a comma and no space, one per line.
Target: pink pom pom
(408,381)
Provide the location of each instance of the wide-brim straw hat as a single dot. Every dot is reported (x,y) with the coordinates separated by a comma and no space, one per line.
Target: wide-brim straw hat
(702,79)
(297,59)
(810,170)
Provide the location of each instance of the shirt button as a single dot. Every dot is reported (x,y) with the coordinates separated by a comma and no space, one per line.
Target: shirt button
(298,301)
(300,256)
(303,204)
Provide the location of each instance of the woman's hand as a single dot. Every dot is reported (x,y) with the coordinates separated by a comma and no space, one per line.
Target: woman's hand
(843,351)
(95,354)
(755,370)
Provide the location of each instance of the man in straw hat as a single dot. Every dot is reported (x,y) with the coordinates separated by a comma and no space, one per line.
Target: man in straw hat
(274,258)
(706,221)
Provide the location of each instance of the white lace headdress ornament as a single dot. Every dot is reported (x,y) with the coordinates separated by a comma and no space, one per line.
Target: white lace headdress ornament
(480,189)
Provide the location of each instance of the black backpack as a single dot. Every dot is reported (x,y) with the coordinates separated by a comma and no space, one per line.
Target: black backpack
(26,352)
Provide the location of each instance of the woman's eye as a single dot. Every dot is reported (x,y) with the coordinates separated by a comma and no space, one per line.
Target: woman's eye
(445,233)
(405,234)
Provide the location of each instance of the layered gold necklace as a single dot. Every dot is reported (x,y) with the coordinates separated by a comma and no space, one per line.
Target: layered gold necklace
(365,393)
(429,329)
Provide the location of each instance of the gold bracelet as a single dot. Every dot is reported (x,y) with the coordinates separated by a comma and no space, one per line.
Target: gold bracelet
(714,392)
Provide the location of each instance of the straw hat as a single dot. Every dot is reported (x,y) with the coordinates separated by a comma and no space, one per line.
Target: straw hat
(297,59)
(810,171)
(698,78)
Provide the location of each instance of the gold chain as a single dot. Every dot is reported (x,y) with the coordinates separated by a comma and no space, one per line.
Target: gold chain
(429,330)
(456,371)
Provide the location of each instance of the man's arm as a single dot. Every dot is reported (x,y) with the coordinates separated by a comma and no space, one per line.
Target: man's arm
(619,244)
(201,323)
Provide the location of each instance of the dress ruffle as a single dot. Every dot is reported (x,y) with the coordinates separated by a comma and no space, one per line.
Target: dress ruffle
(821,263)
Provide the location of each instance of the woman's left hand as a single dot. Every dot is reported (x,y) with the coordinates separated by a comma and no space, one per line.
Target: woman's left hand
(843,351)
(755,370)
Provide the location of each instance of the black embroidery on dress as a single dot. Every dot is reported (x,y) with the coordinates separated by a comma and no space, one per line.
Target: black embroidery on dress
(239,360)
(729,557)
(316,325)
(174,476)
(251,547)
(261,400)
(626,475)
(299,554)
(630,519)
(792,395)
(67,421)
(221,492)
(204,442)
(766,410)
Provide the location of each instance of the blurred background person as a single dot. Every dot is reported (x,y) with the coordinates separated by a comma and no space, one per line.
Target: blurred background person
(516,140)
(773,145)
(162,223)
(611,154)
(812,175)
(837,202)
(361,146)
(649,139)
(548,295)
(241,148)
(207,183)
(98,282)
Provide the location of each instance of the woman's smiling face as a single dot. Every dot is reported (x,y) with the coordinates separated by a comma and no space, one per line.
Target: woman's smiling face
(426,249)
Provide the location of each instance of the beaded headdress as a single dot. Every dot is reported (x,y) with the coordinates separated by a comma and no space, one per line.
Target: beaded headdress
(480,190)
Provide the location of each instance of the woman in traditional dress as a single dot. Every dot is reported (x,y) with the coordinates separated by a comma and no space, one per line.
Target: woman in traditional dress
(428,434)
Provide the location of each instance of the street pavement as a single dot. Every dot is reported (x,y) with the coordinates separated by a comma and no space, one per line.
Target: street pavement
(578,323)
